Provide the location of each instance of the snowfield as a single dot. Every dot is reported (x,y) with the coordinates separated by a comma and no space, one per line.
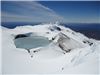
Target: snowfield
(83,57)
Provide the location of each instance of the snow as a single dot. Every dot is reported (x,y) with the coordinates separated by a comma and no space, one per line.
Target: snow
(0,53)
(51,58)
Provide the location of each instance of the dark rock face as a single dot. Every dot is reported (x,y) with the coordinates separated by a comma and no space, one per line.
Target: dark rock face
(55,28)
(63,38)
(59,29)
(88,42)
(20,36)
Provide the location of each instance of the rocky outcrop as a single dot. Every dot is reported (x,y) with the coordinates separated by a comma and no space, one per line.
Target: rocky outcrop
(20,36)
(66,43)
(62,39)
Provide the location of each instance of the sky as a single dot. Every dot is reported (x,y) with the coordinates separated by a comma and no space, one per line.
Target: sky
(27,11)
(51,11)
(76,11)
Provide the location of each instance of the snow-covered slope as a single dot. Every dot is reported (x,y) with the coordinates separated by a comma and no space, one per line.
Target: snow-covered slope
(83,57)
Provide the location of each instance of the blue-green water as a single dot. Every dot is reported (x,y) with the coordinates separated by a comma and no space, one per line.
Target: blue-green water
(31,42)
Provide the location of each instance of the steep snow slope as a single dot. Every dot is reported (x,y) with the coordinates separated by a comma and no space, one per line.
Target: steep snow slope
(50,59)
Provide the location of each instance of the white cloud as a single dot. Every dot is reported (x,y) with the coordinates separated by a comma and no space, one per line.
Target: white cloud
(29,11)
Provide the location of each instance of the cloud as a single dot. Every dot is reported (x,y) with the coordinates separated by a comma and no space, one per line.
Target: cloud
(27,11)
